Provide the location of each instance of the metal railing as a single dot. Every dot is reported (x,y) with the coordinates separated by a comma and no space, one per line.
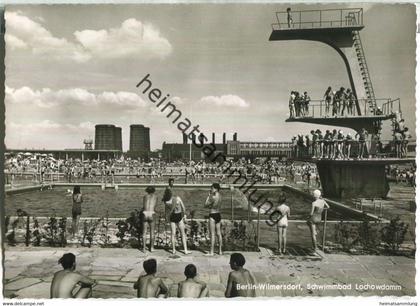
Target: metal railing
(321,109)
(311,19)
(371,205)
(392,106)
(373,150)
(27,179)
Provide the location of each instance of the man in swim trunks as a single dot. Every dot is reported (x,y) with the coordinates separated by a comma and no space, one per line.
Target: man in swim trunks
(167,197)
(176,218)
(241,282)
(213,202)
(149,285)
(149,203)
(76,209)
(192,288)
(65,281)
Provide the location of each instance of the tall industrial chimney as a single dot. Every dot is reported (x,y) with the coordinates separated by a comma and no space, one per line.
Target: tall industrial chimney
(201,138)
(184,138)
(224,138)
(213,138)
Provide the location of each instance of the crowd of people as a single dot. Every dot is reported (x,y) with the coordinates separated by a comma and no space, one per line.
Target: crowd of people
(44,169)
(333,144)
(175,215)
(299,104)
(341,102)
(403,174)
(401,138)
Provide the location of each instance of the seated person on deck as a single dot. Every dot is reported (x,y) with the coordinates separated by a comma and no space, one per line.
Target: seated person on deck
(65,281)
(149,285)
(192,288)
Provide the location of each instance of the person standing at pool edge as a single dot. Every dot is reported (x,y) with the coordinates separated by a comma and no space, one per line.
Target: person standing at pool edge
(282,223)
(167,197)
(213,202)
(149,204)
(177,220)
(289,17)
(76,209)
(315,217)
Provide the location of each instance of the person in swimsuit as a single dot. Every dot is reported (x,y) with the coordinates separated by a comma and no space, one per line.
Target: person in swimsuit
(315,217)
(76,209)
(149,203)
(192,288)
(149,285)
(320,141)
(176,217)
(65,281)
(213,202)
(289,17)
(239,277)
(363,135)
(282,223)
(351,104)
(167,197)
(327,98)
(340,143)
(347,145)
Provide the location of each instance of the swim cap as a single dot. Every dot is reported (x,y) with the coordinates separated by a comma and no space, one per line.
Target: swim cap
(317,193)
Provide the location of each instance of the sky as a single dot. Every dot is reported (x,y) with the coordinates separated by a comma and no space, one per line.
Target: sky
(69,67)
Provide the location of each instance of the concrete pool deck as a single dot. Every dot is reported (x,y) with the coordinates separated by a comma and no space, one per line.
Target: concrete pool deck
(29,271)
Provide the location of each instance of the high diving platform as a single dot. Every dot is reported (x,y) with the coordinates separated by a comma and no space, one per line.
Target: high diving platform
(333,26)
(339,29)
(370,119)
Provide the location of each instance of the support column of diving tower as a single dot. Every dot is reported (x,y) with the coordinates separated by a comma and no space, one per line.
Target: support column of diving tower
(339,29)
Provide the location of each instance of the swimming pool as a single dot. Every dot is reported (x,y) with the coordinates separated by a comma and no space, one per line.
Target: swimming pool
(119,203)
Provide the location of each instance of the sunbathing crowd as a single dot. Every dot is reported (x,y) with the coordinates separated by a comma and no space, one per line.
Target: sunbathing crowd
(46,169)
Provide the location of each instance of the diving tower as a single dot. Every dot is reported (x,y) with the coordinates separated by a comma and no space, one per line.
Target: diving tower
(339,29)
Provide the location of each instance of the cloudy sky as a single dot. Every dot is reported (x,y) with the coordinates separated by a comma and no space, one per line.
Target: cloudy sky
(69,67)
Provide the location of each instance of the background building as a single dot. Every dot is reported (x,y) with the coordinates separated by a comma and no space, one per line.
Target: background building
(231,149)
(139,141)
(108,137)
(187,150)
(118,138)
(253,149)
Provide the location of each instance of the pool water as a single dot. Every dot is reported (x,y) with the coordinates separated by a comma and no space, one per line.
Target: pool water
(119,203)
